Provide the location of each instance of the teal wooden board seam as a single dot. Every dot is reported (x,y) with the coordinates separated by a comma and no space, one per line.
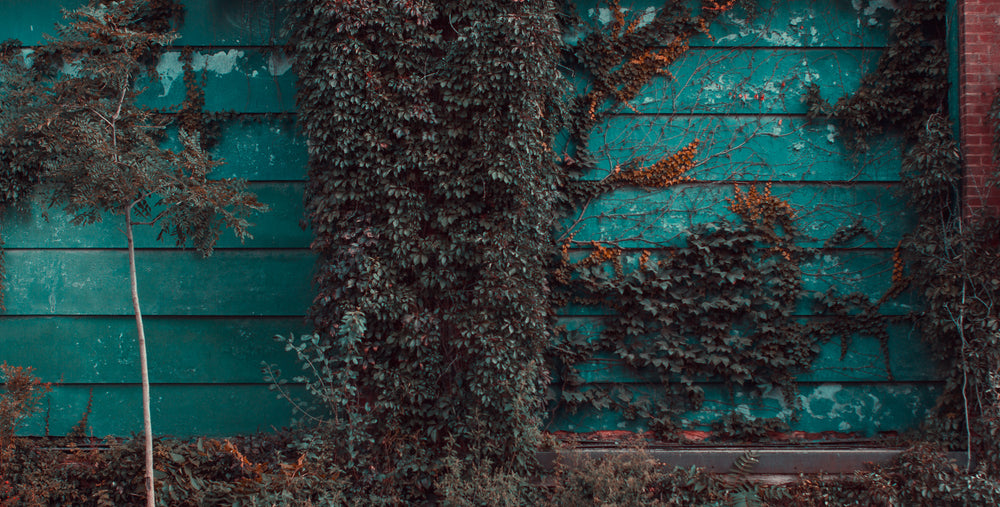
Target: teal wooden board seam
(177,410)
(102,349)
(43,227)
(647,218)
(909,358)
(745,81)
(868,409)
(740,148)
(171,282)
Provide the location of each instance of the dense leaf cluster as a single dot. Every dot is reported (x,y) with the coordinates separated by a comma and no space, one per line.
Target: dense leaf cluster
(909,82)
(262,470)
(430,195)
(719,308)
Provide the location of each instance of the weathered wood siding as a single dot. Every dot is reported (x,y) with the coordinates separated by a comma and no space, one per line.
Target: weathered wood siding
(740,92)
(211,321)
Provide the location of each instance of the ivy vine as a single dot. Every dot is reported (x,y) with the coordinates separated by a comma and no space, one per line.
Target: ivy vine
(430,194)
(720,308)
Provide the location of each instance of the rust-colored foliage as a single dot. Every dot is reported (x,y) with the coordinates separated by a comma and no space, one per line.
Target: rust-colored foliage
(753,206)
(667,172)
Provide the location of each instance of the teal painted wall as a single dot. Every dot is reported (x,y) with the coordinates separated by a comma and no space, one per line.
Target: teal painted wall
(740,92)
(211,321)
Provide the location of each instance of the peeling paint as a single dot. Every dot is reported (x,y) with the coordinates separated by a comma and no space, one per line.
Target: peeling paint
(279,63)
(604,15)
(869,8)
(170,68)
(831,136)
(822,403)
(222,62)
(647,17)
(746,29)
(777,395)
(71,69)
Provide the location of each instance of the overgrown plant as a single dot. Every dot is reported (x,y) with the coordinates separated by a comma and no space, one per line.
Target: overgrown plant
(718,303)
(265,471)
(430,194)
(72,124)
(21,397)
(735,286)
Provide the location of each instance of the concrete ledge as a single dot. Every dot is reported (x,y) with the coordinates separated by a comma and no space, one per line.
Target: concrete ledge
(775,461)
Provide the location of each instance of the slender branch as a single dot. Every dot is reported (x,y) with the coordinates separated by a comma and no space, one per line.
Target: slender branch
(146,415)
(114,120)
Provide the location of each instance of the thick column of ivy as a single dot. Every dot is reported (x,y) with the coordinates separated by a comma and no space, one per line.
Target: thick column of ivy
(430,193)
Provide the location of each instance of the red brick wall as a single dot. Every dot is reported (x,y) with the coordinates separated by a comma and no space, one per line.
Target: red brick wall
(979,67)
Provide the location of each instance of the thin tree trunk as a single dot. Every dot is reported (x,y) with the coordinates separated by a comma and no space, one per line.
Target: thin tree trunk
(146,417)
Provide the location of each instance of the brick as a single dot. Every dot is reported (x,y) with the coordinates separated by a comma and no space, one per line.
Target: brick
(979,66)
(983,137)
(979,139)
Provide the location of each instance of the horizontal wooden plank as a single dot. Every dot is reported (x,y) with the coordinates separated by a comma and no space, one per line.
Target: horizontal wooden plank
(232,23)
(28,21)
(43,227)
(705,80)
(177,410)
(99,349)
(845,271)
(261,149)
(866,409)
(864,362)
(646,218)
(746,81)
(772,23)
(240,80)
(742,148)
(171,282)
